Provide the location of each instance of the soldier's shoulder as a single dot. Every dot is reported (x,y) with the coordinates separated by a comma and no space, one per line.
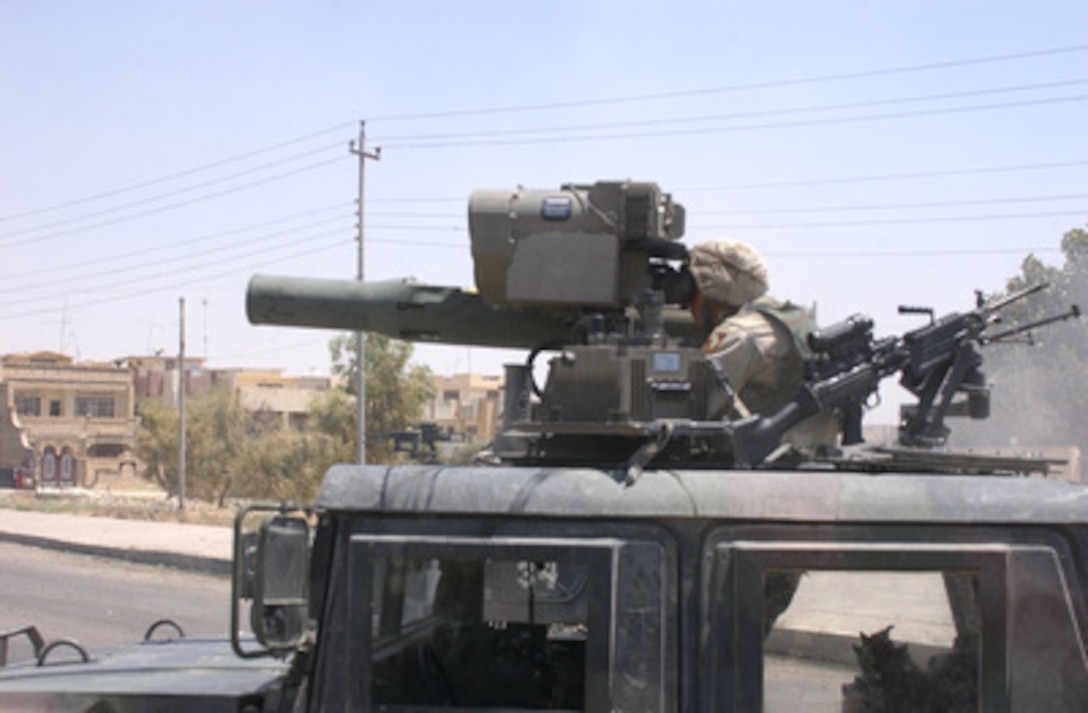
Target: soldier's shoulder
(742,326)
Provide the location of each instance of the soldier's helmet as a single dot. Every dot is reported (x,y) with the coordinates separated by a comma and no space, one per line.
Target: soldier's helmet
(728,271)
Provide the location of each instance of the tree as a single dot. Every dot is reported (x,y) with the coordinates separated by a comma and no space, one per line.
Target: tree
(157,443)
(218,431)
(395,389)
(288,465)
(231,451)
(1037,397)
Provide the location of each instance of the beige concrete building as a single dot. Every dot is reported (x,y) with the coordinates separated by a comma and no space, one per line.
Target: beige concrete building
(271,393)
(466,407)
(282,398)
(159,377)
(70,424)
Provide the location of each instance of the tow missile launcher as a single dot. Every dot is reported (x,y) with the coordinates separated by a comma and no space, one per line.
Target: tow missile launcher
(597,275)
(594,273)
(544,261)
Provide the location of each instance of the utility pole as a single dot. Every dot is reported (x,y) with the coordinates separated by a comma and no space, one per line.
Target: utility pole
(181,406)
(360,337)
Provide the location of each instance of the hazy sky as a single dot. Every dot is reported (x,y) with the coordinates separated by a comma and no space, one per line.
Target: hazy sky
(876,152)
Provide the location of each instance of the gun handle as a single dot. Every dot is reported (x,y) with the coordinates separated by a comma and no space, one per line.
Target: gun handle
(851,424)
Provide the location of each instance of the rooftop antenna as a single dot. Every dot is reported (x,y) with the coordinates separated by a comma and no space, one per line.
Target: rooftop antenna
(63,325)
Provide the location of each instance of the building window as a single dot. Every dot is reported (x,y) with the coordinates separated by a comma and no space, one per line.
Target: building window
(28,405)
(94,406)
(450,395)
(54,408)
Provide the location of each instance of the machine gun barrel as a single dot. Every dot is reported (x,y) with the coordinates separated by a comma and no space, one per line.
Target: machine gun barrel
(1000,304)
(1072,313)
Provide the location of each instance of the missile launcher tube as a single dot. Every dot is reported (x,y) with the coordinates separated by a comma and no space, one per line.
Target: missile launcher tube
(404,309)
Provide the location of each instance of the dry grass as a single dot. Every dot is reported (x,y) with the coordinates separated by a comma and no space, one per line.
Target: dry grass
(127,506)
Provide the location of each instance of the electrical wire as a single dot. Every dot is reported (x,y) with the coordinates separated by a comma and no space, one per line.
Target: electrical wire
(172,206)
(774,84)
(702,131)
(162,196)
(900,221)
(670,121)
(165,287)
(180,174)
(897,206)
(110,259)
(26,292)
(911,176)
(606,101)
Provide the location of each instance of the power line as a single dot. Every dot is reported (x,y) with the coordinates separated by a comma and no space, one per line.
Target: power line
(898,206)
(110,259)
(780,210)
(180,174)
(393,138)
(951,252)
(774,84)
(173,286)
(263,351)
(901,221)
(155,273)
(172,206)
(458,199)
(617,100)
(265,240)
(164,196)
(915,175)
(293,232)
(530,140)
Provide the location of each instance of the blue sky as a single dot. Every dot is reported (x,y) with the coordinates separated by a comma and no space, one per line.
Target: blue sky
(876,152)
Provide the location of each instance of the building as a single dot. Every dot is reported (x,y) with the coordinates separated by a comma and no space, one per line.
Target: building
(268,392)
(466,407)
(158,377)
(275,396)
(69,424)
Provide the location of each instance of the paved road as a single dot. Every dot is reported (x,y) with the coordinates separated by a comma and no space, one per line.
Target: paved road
(100,601)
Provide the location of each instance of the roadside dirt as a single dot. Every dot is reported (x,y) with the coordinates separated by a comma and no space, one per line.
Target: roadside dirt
(128,506)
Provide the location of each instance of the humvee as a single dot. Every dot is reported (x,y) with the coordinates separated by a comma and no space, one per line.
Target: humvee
(620,550)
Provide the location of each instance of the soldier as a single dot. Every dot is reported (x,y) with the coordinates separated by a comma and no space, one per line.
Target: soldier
(759,345)
(756,342)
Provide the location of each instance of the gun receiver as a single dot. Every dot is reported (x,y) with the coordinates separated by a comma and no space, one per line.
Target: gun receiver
(935,364)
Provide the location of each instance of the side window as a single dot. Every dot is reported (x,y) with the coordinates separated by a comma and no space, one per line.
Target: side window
(853,626)
(527,626)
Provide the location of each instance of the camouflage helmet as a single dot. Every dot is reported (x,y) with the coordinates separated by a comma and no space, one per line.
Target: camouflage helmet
(728,271)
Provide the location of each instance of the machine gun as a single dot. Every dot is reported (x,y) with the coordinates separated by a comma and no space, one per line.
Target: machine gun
(935,363)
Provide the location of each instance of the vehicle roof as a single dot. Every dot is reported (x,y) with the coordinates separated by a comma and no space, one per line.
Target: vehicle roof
(808,496)
(205,668)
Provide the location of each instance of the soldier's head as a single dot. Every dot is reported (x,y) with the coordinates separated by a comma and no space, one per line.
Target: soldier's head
(728,274)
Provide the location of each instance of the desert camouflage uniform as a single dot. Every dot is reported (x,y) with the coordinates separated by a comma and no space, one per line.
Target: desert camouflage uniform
(761,350)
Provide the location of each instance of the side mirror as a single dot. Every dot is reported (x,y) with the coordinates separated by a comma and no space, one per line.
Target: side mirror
(272,568)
